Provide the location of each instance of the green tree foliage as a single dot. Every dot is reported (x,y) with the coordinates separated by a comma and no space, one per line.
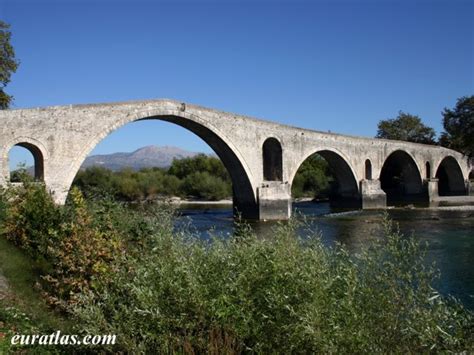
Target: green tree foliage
(458,124)
(200,177)
(206,186)
(32,218)
(183,168)
(8,64)
(78,241)
(406,127)
(313,178)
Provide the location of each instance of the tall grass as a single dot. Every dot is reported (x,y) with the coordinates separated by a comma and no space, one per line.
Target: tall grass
(162,290)
(275,296)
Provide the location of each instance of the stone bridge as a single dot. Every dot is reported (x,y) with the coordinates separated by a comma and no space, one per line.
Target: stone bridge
(262,157)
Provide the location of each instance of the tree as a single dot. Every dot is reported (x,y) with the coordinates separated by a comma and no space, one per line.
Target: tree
(182,168)
(406,127)
(8,64)
(459,126)
(313,178)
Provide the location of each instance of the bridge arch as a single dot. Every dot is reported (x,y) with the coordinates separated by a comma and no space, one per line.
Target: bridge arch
(346,188)
(37,150)
(451,180)
(368,169)
(428,170)
(243,190)
(272,160)
(400,177)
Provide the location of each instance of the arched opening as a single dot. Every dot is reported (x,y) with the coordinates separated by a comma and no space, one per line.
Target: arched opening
(26,158)
(400,179)
(471,176)
(428,170)
(451,181)
(368,170)
(325,176)
(272,160)
(155,128)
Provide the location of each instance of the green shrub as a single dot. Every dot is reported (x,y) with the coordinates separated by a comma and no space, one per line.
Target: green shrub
(95,180)
(76,242)
(182,168)
(205,186)
(84,252)
(129,273)
(32,219)
(274,296)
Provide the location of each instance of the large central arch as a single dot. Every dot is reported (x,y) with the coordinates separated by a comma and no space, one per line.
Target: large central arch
(244,200)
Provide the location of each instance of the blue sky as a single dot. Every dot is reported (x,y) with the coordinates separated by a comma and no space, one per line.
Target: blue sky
(324,65)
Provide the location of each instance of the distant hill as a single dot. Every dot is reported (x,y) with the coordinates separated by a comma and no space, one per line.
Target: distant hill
(146,157)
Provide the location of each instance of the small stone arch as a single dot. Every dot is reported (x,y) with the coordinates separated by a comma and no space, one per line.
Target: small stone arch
(450,178)
(428,170)
(36,149)
(272,160)
(368,170)
(400,177)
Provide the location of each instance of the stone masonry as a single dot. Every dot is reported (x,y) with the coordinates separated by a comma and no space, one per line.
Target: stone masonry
(61,137)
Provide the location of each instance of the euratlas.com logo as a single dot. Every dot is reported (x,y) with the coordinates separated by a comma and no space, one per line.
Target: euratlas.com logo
(62,339)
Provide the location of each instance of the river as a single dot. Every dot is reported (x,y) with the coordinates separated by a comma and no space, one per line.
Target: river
(449,235)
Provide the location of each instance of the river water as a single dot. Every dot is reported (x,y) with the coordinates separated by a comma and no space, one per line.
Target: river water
(449,235)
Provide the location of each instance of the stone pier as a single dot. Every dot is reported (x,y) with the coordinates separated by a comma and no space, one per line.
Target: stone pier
(373,197)
(274,200)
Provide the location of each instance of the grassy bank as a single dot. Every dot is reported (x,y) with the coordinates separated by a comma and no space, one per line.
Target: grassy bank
(23,310)
(131,274)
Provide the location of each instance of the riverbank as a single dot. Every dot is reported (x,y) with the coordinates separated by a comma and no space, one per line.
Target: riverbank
(179,201)
(452,208)
(449,203)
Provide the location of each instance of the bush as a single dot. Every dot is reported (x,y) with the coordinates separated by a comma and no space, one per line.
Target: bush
(274,296)
(76,242)
(159,290)
(94,180)
(84,252)
(182,168)
(32,219)
(205,186)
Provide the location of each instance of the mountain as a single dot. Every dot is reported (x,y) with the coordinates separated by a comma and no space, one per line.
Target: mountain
(146,157)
